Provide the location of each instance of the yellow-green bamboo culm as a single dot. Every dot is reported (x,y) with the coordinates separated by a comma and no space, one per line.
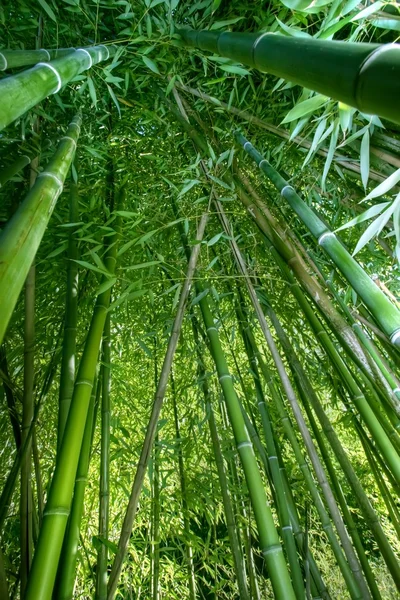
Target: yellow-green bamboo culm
(22,235)
(19,93)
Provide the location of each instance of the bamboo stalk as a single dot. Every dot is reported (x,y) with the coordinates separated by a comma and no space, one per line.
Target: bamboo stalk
(151,429)
(365,76)
(48,550)
(219,461)
(67,375)
(186,523)
(12,59)
(22,235)
(380,306)
(23,91)
(104,492)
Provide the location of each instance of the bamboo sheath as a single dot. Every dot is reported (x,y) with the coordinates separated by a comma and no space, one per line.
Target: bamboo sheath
(22,235)
(386,314)
(366,76)
(19,93)
(11,59)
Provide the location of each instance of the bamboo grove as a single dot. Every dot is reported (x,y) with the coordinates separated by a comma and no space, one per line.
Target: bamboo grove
(199,300)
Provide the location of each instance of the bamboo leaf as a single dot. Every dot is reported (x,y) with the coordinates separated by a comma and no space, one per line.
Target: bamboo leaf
(48,10)
(106,285)
(364,159)
(385,186)
(150,64)
(234,69)
(373,211)
(331,152)
(376,226)
(306,107)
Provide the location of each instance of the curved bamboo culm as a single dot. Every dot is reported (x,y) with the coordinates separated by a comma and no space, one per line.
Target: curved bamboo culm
(366,76)
(385,313)
(19,93)
(12,59)
(22,235)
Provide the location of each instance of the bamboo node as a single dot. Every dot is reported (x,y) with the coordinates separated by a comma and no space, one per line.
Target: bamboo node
(261,162)
(212,329)
(68,137)
(396,390)
(56,73)
(4,62)
(244,445)
(58,510)
(247,145)
(272,550)
(286,187)
(226,376)
(108,52)
(86,52)
(85,382)
(56,179)
(326,234)
(395,337)
(47,52)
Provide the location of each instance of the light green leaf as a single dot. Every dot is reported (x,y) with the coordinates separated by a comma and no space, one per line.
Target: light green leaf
(188,187)
(114,99)
(221,24)
(150,64)
(106,285)
(376,226)
(48,10)
(215,239)
(364,159)
(234,69)
(373,211)
(306,107)
(317,136)
(385,186)
(331,152)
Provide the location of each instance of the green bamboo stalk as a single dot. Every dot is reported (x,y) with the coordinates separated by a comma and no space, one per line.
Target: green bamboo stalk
(11,59)
(223,482)
(344,162)
(358,398)
(386,314)
(26,504)
(23,91)
(309,396)
(372,351)
(186,523)
(104,500)
(67,375)
(156,510)
(308,478)
(15,167)
(281,500)
(151,429)
(64,588)
(48,550)
(269,540)
(366,76)
(22,235)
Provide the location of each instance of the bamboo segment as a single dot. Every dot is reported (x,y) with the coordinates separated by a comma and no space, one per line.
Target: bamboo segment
(67,375)
(21,92)
(22,235)
(11,59)
(47,554)
(366,76)
(386,314)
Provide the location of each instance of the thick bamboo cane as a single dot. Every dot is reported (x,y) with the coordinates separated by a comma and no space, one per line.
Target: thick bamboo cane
(366,76)
(22,235)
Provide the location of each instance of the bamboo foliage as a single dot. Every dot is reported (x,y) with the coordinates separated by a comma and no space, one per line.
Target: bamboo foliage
(365,76)
(21,237)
